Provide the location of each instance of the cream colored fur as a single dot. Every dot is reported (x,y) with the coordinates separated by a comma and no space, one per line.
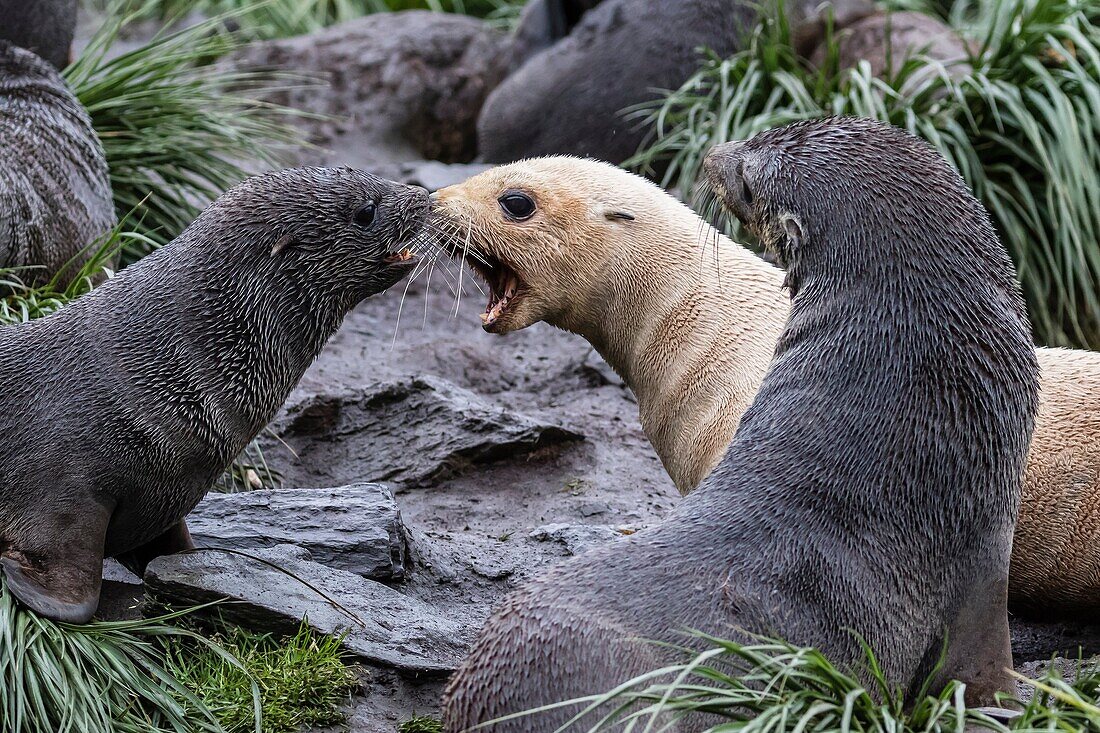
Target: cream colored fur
(690,319)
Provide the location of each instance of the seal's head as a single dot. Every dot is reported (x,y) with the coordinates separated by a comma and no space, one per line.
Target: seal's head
(837,188)
(540,232)
(331,231)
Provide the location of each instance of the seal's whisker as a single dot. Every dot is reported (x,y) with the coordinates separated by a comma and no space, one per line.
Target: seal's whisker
(401,304)
(462,266)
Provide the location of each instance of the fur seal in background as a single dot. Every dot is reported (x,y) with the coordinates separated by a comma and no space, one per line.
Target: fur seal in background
(572,96)
(55,192)
(123,408)
(542,24)
(690,320)
(45,27)
(872,485)
(569,98)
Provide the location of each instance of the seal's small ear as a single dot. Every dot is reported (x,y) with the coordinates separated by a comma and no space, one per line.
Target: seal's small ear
(284,242)
(793,229)
(613,215)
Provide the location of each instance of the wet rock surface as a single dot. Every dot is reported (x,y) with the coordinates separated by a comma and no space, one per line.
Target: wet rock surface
(276,588)
(408,433)
(356,528)
(395,86)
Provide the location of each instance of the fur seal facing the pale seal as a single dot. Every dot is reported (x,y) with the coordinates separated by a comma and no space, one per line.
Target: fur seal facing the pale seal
(55,191)
(690,320)
(872,485)
(123,408)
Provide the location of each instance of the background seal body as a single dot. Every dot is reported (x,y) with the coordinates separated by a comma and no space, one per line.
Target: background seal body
(690,320)
(823,516)
(569,97)
(45,27)
(55,191)
(124,407)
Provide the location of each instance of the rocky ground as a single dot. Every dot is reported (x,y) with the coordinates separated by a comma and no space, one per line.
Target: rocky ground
(427,467)
(504,454)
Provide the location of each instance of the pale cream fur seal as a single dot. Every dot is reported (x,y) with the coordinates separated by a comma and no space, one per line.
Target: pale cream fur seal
(690,319)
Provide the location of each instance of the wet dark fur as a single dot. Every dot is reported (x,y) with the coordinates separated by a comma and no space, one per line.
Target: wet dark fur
(544,23)
(872,485)
(55,193)
(568,98)
(580,65)
(43,26)
(122,409)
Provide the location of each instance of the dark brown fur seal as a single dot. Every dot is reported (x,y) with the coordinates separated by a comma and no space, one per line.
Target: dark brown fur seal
(872,485)
(573,96)
(45,27)
(570,97)
(123,408)
(55,192)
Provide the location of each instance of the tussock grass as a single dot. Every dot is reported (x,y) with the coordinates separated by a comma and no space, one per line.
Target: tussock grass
(773,687)
(102,677)
(282,18)
(302,679)
(1022,126)
(421,724)
(20,302)
(178,130)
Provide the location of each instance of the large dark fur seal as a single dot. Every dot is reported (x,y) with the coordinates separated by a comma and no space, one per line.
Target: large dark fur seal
(45,27)
(542,24)
(55,192)
(571,97)
(121,410)
(872,485)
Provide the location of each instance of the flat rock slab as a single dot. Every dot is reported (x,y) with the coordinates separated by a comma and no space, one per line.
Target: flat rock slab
(357,528)
(276,588)
(407,433)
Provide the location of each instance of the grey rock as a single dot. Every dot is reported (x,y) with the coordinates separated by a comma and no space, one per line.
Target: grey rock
(601,370)
(433,175)
(886,40)
(400,85)
(1035,639)
(407,433)
(270,592)
(356,528)
(576,538)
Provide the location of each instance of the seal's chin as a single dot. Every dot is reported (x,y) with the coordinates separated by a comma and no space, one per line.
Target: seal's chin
(506,289)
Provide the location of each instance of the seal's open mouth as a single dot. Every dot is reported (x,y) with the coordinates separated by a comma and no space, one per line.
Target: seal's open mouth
(505,286)
(404,258)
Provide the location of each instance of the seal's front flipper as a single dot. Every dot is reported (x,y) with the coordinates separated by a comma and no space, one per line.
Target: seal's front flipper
(59,578)
(176,539)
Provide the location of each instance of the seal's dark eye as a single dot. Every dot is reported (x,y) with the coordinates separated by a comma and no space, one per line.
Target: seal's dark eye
(516,205)
(364,215)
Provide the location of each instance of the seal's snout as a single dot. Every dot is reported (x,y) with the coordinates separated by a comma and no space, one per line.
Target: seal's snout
(725,169)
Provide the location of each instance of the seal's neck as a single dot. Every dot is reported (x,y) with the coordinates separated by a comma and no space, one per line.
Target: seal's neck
(690,320)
